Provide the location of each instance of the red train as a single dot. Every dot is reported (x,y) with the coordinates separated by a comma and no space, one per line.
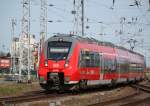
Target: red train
(5,63)
(73,62)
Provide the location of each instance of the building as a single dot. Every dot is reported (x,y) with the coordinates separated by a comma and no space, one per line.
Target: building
(19,52)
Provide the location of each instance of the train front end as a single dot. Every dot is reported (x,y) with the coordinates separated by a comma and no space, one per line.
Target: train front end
(56,68)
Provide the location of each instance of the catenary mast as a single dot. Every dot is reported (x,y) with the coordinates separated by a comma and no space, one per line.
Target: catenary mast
(43,22)
(24,48)
(78,17)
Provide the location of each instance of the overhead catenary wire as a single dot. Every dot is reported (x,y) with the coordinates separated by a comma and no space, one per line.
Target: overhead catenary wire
(58,9)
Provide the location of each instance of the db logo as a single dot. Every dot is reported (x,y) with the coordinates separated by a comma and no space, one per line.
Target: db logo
(55,65)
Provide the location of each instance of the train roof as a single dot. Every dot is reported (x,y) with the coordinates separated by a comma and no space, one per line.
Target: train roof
(94,41)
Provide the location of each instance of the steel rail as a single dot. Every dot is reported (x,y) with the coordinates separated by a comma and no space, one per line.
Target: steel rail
(137,102)
(145,88)
(108,102)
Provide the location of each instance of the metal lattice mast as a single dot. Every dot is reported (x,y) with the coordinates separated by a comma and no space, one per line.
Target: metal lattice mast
(25,18)
(78,17)
(43,22)
(82,17)
(29,51)
(24,60)
(13,46)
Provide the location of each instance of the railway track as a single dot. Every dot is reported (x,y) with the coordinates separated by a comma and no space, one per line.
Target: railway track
(137,102)
(41,95)
(33,93)
(38,95)
(145,88)
(132,99)
(109,102)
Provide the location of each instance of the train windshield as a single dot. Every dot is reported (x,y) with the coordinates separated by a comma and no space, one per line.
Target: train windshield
(58,50)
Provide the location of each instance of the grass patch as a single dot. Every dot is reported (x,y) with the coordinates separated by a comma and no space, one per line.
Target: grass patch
(17,89)
(7,91)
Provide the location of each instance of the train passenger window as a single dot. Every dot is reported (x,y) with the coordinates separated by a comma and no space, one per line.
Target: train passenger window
(109,64)
(89,59)
(133,67)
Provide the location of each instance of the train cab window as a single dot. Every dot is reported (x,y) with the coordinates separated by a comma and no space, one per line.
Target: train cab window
(58,50)
(89,59)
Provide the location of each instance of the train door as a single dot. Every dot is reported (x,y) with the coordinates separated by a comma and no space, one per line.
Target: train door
(118,67)
(101,66)
(82,64)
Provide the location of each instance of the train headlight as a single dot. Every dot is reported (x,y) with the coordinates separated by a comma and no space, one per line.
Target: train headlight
(67,63)
(46,63)
(60,39)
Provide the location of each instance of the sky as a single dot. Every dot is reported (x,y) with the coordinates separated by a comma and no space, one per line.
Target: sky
(104,23)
